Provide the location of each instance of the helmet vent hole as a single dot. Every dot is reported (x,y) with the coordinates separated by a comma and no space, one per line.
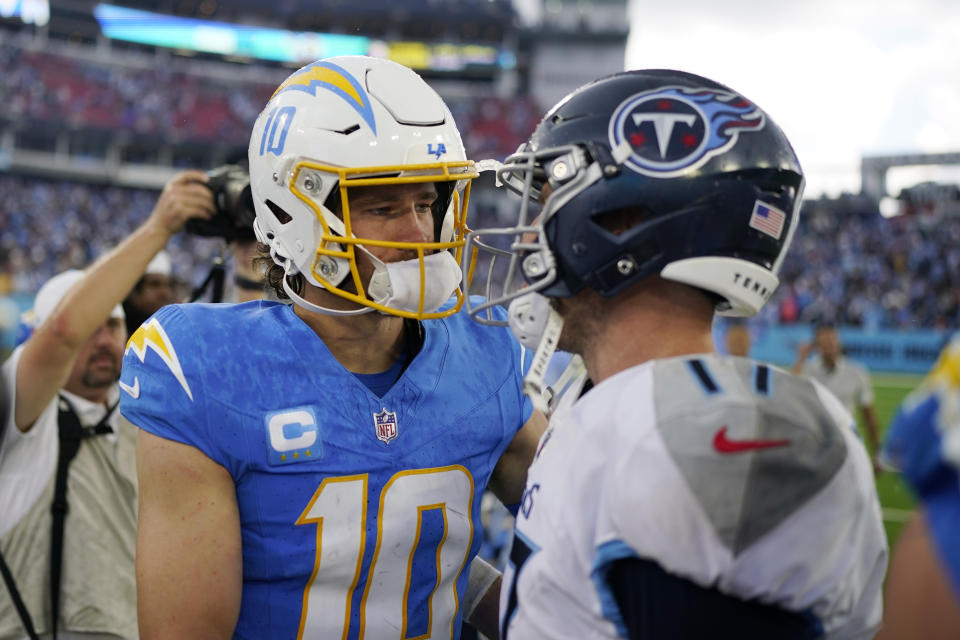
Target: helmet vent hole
(282,216)
(349,130)
(775,190)
(619,221)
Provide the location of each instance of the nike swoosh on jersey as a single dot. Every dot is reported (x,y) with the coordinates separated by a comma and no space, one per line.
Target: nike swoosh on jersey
(132,390)
(724,445)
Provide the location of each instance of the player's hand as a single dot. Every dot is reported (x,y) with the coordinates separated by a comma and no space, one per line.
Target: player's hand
(185,196)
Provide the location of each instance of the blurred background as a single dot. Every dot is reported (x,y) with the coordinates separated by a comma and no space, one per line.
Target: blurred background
(102,103)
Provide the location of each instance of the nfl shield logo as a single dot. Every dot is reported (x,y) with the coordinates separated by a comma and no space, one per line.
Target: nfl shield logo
(385,423)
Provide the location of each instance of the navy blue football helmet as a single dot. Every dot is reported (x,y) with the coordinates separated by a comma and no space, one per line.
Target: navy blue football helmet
(649,172)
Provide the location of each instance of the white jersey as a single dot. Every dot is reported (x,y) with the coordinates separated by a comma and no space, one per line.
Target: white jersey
(728,473)
(848,380)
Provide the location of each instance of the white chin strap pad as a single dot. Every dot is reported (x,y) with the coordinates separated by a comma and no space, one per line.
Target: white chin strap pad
(397,284)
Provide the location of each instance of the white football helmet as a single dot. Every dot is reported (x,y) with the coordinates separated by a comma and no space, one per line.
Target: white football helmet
(347,122)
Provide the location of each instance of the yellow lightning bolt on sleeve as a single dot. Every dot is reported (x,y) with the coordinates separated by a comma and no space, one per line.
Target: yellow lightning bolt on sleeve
(151,335)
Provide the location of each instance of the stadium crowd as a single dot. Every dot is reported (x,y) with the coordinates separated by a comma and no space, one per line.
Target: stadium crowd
(849,265)
(49,226)
(43,88)
(52,91)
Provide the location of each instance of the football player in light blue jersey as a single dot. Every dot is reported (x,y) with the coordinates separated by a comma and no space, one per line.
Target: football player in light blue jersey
(315,469)
(923,443)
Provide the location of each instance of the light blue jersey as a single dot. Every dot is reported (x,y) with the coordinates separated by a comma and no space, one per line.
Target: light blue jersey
(923,443)
(359,514)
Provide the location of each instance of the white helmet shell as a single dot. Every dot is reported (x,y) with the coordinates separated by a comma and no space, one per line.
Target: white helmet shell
(338,119)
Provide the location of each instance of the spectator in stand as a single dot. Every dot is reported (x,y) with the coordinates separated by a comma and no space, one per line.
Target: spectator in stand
(848,380)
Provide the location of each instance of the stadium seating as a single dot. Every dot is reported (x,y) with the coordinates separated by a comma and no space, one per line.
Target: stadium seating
(851,266)
(52,91)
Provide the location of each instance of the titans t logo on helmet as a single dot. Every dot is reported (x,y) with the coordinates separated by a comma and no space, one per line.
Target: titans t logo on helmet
(668,131)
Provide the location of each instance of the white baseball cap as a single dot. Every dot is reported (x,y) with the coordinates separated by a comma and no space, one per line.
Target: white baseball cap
(160,264)
(53,290)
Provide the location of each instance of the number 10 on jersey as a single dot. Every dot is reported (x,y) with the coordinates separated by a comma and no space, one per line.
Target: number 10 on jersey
(338,509)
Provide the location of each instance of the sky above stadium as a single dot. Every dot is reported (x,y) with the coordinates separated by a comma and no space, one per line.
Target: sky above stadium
(842,78)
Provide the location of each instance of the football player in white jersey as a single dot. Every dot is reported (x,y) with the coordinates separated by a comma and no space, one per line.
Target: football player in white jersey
(679,494)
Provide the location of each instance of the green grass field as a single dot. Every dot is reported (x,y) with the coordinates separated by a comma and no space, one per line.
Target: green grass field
(895,498)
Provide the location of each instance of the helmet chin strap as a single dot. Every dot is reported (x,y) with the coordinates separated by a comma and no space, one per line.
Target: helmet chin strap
(533,384)
(309,306)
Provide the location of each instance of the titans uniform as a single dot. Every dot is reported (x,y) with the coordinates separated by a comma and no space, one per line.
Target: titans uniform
(359,514)
(924,444)
(714,475)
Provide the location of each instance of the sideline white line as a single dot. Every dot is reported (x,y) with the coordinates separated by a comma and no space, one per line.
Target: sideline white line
(896,515)
(892,381)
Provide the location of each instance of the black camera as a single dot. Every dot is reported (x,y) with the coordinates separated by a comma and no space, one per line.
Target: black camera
(233,220)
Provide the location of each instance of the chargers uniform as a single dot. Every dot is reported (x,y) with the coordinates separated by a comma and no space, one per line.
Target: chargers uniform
(723,472)
(923,443)
(359,514)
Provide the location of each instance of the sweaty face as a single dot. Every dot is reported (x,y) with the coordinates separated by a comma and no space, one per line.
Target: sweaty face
(98,362)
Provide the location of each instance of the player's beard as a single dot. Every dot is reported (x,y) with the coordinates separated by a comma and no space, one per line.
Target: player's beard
(582,317)
(99,372)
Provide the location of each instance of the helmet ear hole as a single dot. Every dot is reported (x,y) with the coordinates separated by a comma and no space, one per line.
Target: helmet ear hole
(442,228)
(620,221)
(333,202)
(282,216)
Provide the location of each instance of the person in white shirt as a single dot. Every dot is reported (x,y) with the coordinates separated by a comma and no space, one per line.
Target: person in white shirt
(848,380)
(61,389)
(678,494)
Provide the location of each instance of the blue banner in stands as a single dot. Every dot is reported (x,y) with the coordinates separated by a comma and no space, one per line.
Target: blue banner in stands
(881,350)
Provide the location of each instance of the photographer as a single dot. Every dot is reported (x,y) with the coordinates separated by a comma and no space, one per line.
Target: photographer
(64,445)
(233,222)
(153,290)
